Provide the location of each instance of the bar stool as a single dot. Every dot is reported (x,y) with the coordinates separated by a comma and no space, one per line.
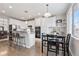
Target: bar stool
(21,40)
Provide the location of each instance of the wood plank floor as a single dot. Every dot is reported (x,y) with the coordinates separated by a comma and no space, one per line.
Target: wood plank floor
(6,50)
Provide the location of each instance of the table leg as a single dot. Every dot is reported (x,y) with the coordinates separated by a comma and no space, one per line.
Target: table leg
(42,44)
(64,46)
(47,48)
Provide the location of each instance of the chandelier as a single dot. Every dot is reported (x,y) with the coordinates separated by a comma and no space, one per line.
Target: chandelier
(47,14)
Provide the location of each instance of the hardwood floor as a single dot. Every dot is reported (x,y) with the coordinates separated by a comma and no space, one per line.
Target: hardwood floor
(6,50)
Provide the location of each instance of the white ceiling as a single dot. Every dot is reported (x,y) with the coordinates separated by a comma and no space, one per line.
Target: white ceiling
(33,9)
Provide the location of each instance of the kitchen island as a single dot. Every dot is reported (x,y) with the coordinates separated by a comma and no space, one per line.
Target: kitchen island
(25,39)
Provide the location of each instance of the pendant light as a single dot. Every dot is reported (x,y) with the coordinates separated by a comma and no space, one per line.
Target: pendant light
(47,14)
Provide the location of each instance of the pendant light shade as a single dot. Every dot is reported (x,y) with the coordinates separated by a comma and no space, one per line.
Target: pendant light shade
(47,14)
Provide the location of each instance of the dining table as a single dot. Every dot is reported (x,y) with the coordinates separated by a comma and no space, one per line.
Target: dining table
(59,37)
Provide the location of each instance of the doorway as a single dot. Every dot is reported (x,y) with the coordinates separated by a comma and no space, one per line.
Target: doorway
(37,32)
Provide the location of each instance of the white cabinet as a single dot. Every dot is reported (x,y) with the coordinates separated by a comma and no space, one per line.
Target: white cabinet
(30,40)
(27,41)
(61,26)
(47,24)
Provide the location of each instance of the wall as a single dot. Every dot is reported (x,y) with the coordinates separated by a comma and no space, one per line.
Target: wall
(61,17)
(74,46)
(69,20)
(69,28)
(74,42)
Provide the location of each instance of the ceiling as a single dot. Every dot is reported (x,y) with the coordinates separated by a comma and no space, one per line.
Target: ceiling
(33,10)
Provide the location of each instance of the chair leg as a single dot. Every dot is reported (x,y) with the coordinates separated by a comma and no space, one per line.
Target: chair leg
(42,46)
(56,51)
(67,51)
(62,47)
(47,51)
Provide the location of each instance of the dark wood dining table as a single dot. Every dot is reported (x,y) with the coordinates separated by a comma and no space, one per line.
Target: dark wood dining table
(59,37)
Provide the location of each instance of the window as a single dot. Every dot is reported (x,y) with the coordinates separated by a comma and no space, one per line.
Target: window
(75,27)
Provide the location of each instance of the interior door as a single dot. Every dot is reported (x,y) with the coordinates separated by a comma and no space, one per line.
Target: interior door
(37,32)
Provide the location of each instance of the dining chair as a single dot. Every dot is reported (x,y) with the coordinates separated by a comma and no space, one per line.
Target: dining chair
(52,44)
(44,39)
(67,43)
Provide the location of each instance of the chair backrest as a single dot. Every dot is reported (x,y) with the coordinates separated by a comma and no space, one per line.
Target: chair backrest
(68,39)
(48,36)
(44,36)
(51,37)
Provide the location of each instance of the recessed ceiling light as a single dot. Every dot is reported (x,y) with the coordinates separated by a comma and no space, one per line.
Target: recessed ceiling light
(3,11)
(10,7)
(22,17)
(29,16)
(39,14)
(26,22)
(26,11)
